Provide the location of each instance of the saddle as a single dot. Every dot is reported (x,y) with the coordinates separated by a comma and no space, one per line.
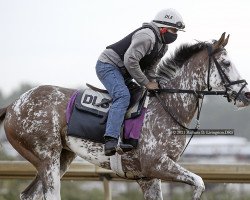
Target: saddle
(87,114)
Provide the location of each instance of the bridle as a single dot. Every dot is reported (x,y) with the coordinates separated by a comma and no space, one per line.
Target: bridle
(224,78)
(227,83)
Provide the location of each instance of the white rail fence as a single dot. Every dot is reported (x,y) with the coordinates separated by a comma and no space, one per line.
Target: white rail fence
(219,173)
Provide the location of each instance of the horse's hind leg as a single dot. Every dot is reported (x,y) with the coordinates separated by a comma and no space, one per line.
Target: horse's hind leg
(46,158)
(47,182)
(151,189)
(51,174)
(35,190)
(65,160)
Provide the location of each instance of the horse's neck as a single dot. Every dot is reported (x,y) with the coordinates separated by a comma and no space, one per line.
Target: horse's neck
(192,77)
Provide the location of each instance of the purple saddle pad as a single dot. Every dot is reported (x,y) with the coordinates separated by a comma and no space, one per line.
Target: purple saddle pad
(132,126)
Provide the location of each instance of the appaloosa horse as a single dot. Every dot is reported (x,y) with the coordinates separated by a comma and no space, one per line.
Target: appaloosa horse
(35,125)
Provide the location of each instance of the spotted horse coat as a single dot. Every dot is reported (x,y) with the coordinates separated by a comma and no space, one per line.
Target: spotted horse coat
(35,125)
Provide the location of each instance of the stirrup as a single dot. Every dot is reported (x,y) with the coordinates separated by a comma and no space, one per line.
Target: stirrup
(123,148)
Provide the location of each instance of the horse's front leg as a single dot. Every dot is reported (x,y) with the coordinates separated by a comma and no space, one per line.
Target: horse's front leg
(151,189)
(165,169)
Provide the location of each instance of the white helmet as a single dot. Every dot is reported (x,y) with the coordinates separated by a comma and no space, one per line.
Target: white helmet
(169,18)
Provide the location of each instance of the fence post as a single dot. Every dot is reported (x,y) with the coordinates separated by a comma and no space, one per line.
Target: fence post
(106,187)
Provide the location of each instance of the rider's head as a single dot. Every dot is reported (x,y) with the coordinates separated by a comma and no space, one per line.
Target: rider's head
(169,22)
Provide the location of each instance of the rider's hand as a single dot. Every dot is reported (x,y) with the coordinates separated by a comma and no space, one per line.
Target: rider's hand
(152,86)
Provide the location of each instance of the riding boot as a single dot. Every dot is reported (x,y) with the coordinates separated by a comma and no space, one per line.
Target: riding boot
(124,147)
(110,145)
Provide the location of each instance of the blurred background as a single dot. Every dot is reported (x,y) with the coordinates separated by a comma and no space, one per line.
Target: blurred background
(58,43)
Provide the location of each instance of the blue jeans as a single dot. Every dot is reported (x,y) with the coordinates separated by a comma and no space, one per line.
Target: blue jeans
(112,79)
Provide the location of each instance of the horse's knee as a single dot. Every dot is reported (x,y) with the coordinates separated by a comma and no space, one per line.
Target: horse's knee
(198,182)
(199,187)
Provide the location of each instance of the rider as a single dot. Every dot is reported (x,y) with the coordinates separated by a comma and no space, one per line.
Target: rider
(135,56)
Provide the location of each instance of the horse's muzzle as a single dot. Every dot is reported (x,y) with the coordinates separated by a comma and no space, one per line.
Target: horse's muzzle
(247,95)
(245,98)
(242,100)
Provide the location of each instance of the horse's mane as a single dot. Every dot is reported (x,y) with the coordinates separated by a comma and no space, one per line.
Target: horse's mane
(168,67)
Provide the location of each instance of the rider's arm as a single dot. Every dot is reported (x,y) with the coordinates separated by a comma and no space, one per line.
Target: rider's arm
(150,72)
(142,44)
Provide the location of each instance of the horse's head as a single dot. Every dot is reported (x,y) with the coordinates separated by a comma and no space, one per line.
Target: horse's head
(223,75)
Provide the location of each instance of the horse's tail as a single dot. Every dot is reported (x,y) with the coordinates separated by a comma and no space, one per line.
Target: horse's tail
(2,114)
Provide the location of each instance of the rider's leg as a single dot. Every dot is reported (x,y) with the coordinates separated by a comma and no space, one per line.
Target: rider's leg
(114,82)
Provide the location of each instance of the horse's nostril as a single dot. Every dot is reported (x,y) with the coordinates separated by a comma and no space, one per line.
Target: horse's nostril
(247,95)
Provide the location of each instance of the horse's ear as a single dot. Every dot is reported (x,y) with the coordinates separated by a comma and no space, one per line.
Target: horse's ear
(226,41)
(219,43)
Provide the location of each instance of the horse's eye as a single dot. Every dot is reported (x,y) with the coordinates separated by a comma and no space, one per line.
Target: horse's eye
(226,63)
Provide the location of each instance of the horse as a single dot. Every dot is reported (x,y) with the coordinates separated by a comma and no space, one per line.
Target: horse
(35,125)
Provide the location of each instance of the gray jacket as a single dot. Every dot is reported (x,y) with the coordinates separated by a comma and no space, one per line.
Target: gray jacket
(142,44)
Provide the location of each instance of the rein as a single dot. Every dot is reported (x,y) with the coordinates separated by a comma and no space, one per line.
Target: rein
(200,94)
